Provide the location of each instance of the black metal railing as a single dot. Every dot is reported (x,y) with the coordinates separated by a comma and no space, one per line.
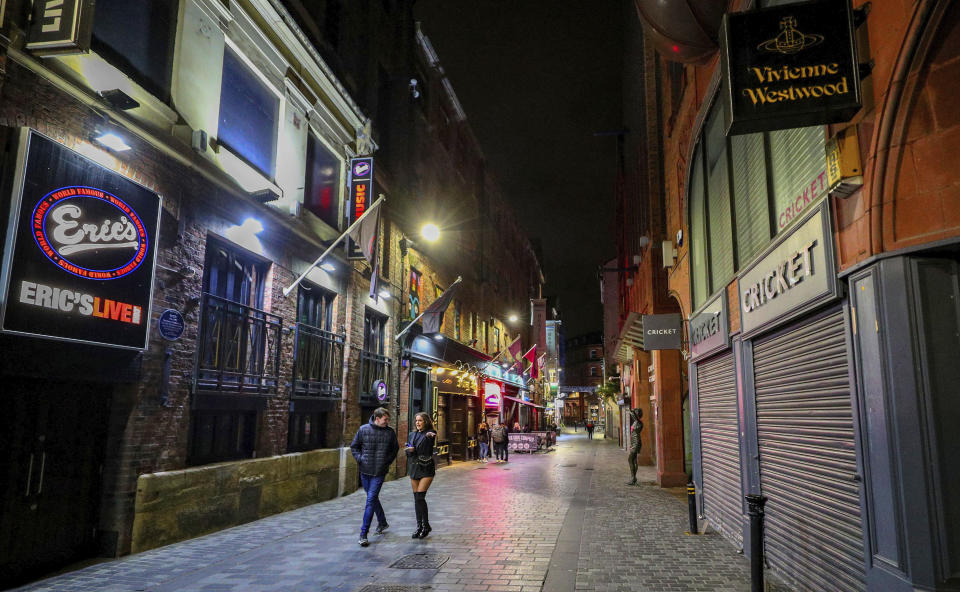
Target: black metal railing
(239,348)
(318,363)
(373,367)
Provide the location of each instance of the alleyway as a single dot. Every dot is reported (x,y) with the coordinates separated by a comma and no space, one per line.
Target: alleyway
(558,521)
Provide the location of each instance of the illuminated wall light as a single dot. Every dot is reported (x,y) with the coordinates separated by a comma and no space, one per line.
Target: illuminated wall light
(113,142)
(245,235)
(513,318)
(441,370)
(329,267)
(438,337)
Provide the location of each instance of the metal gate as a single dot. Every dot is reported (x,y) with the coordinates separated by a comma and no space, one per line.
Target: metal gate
(808,464)
(720,446)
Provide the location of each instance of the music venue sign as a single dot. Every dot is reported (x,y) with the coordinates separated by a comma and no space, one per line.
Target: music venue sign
(790,66)
(81,246)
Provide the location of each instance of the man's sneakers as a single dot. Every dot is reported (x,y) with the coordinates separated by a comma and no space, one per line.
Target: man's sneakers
(382,527)
(363,541)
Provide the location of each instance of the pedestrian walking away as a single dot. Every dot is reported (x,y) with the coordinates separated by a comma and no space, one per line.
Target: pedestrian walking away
(499,436)
(375,448)
(421,468)
(590,430)
(483,438)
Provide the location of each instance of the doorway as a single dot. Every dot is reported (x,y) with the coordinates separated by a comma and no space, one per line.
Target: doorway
(52,444)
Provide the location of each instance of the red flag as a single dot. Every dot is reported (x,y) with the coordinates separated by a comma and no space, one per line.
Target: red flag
(531,356)
(514,350)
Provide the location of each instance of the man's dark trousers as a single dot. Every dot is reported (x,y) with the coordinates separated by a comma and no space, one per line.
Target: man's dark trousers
(372,486)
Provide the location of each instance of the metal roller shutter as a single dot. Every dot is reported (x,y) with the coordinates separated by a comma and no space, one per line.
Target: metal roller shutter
(808,464)
(720,446)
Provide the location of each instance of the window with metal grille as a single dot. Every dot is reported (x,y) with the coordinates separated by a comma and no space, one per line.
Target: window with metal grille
(318,357)
(307,431)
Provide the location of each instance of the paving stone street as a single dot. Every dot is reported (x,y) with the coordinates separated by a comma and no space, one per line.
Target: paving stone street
(564,520)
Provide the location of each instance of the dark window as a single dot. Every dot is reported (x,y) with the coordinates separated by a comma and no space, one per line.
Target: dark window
(323,182)
(307,431)
(239,342)
(318,358)
(315,307)
(373,328)
(137,38)
(248,115)
(374,363)
(222,435)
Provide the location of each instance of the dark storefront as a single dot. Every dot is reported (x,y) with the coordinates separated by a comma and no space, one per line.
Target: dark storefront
(77,312)
(775,414)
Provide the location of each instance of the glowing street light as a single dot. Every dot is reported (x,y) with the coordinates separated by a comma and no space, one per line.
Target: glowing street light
(513,318)
(430,232)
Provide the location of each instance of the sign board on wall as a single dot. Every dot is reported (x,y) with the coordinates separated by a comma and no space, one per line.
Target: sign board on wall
(80,253)
(60,27)
(798,271)
(710,327)
(361,196)
(662,331)
(789,66)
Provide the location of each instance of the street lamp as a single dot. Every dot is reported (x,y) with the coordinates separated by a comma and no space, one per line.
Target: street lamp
(513,318)
(430,232)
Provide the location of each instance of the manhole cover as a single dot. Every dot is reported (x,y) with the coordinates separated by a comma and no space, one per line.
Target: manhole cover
(393,588)
(420,561)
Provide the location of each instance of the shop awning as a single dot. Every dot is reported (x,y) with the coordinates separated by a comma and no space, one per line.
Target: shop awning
(524,402)
(447,350)
(631,337)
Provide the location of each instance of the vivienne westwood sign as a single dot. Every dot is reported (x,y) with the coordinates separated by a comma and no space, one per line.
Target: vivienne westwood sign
(79,261)
(790,66)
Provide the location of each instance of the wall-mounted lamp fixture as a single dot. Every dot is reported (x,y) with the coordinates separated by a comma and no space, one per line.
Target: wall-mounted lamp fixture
(669,254)
(112,141)
(118,99)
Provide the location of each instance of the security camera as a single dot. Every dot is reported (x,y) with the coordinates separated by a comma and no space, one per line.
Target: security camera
(414,91)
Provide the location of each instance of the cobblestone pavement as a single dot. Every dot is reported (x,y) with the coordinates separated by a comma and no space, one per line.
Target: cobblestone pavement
(564,520)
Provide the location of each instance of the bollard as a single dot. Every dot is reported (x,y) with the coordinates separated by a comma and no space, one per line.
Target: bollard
(692,507)
(755,510)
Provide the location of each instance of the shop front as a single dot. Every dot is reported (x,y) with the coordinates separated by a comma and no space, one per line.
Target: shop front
(76,319)
(776,413)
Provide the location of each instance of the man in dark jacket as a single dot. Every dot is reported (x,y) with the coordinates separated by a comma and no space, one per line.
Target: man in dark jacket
(375,447)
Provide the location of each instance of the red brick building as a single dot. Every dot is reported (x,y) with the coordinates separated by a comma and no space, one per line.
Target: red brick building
(822,398)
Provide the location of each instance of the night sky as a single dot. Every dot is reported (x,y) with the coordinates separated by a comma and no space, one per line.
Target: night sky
(537,79)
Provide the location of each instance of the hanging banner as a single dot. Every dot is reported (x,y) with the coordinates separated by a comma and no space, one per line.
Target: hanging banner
(361,196)
(789,66)
(80,253)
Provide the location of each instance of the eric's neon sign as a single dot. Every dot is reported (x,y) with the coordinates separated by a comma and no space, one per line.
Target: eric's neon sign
(89,233)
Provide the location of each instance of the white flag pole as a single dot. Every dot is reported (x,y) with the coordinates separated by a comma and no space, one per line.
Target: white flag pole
(287,290)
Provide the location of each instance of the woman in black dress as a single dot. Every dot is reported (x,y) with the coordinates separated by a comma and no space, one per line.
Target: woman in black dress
(421,469)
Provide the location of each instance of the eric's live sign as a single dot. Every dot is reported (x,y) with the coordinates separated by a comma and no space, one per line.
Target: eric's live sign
(81,243)
(790,66)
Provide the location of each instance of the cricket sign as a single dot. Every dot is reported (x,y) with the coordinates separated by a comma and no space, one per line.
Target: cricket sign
(81,248)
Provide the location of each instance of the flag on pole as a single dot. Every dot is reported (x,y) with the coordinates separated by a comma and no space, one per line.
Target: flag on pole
(513,350)
(531,356)
(365,234)
(433,315)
